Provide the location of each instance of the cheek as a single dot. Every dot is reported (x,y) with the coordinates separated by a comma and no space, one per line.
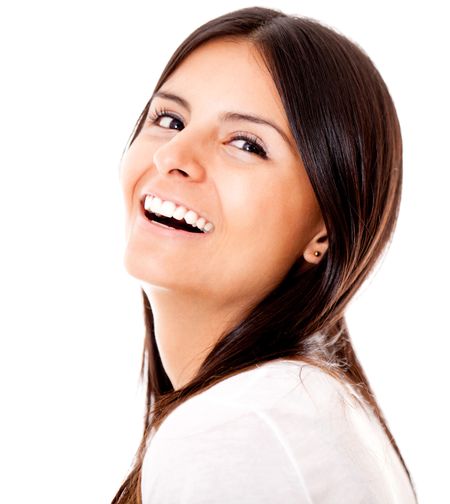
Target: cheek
(278,224)
(286,207)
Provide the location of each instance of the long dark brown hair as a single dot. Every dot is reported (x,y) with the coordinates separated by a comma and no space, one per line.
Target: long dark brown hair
(346,129)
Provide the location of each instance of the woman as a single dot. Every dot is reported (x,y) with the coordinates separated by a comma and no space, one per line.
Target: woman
(261,184)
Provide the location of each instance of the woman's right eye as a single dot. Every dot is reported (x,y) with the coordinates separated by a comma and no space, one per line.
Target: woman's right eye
(165,120)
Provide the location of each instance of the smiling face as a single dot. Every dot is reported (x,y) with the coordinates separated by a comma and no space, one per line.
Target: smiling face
(254,191)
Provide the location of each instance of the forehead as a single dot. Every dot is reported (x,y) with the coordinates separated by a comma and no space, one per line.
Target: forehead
(227,74)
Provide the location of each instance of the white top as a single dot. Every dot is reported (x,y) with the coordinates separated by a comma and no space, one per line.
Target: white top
(283,432)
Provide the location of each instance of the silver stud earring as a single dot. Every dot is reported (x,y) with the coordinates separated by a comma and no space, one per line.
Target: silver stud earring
(317,253)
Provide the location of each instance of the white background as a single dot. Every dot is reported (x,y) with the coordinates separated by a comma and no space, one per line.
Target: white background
(75,77)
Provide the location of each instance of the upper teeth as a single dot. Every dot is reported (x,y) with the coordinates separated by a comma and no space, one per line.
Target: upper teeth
(169,209)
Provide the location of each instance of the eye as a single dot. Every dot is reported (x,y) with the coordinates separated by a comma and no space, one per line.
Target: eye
(254,146)
(154,118)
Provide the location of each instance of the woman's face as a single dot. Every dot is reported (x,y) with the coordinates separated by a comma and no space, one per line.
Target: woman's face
(255,192)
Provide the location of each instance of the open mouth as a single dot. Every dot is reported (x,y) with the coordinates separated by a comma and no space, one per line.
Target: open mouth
(171,222)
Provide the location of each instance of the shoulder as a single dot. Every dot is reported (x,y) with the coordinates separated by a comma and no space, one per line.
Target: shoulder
(284,432)
(236,461)
(276,387)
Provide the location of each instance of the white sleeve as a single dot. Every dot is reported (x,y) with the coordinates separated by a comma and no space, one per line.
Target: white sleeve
(240,461)
(249,461)
(313,448)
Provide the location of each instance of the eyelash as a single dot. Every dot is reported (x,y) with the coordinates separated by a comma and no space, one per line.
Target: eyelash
(158,113)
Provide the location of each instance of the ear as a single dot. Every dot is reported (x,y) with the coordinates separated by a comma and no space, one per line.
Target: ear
(316,248)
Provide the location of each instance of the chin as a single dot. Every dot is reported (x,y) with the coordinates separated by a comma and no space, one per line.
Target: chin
(151,271)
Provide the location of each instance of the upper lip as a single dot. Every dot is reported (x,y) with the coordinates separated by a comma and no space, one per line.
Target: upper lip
(174,200)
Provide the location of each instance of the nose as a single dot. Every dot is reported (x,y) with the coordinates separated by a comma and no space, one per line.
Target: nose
(180,156)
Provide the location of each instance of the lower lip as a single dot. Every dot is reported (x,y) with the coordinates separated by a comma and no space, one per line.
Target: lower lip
(162,230)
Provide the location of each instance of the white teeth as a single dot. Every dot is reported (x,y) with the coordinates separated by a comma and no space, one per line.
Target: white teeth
(147,203)
(179,213)
(200,223)
(170,209)
(190,217)
(167,208)
(155,205)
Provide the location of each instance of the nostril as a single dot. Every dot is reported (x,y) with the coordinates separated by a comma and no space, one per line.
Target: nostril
(181,171)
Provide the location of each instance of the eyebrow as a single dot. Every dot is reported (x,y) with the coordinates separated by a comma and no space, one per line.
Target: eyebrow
(226,116)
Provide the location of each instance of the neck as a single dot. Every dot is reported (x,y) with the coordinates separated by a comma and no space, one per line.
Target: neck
(186,329)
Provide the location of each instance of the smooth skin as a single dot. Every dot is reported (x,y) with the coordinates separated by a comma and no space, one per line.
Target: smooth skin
(264,211)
